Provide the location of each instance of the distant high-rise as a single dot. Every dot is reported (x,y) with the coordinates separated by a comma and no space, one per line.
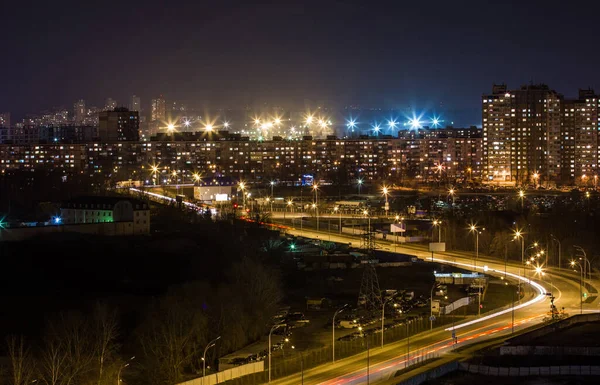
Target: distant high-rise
(79,111)
(158,111)
(579,137)
(5,119)
(521,134)
(135,104)
(110,104)
(119,125)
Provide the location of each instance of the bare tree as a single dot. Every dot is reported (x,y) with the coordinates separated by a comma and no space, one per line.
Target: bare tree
(68,350)
(22,365)
(105,330)
(169,338)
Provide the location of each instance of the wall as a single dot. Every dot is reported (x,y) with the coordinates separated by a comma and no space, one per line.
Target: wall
(227,375)
(102,228)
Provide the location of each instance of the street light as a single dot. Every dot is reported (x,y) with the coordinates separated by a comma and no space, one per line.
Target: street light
(333,330)
(431,306)
(242,187)
(451,192)
(208,346)
(385,192)
(473,229)
(383,318)
(120,369)
(521,196)
(271,332)
(573,264)
(337,210)
(438,223)
(316,205)
(586,271)
(519,234)
(359,182)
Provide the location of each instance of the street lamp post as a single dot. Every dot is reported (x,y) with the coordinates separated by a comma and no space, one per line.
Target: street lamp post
(316,188)
(337,210)
(271,332)
(522,197)
(385,192)
(451,192)
(383,319)
(519,234)
(120,369)
(586,271)
(359,182)
(431,306)
(333,331)
(242,186)
(573,264)
(210,345)
(438,223)
(473,229)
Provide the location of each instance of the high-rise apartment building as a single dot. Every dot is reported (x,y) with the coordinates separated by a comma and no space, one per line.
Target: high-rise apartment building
(5,119)
(579,137)
(158,109)
(110,104)
(521,134)
(79,111)
(135,104)
(119,125)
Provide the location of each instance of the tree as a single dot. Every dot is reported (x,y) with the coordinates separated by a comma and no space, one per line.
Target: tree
(170,337)
(68,350)
(22,365)
(105,331)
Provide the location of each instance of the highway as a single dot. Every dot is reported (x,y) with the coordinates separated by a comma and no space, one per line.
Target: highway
(393,357)
(384,362)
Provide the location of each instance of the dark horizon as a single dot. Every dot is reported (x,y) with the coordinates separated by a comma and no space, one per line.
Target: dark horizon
(439,59)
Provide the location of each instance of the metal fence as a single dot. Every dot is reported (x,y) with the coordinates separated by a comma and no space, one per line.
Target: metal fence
(294,361)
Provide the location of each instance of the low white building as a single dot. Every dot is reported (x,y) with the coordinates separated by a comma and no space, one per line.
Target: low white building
(102,209)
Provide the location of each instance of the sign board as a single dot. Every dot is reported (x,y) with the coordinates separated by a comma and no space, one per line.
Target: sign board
(221,197)
(437,247)
(432,318)
(397,228)
(435,306)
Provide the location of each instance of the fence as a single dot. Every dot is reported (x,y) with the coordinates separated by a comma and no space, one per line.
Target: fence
(288,361)
(227,375)
(563,370)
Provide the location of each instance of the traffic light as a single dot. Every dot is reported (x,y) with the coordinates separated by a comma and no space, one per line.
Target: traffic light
(235,205)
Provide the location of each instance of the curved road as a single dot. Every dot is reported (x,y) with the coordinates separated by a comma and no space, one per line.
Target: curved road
(393,357)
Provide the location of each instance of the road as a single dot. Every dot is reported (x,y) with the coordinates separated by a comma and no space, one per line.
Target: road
(384,362)
(393,357)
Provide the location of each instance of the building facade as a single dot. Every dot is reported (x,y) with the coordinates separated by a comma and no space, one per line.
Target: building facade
(119,125)
(99,209)
(221,154)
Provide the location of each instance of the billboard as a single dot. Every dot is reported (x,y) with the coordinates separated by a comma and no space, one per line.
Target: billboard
(221,197)
(307,180)
(437,247)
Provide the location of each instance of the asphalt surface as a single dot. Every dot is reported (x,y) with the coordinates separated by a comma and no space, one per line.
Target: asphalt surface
(383,363)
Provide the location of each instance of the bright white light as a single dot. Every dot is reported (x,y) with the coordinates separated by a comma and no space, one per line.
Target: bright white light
(309,119)
(415,123)
(170,127)
(186,123)
(351,123)
(436,122)
(208,127)
(277,121)
(226,124)
(392,123)
(376,128)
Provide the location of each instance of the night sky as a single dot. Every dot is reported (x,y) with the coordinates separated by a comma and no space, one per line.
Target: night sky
(426,55)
